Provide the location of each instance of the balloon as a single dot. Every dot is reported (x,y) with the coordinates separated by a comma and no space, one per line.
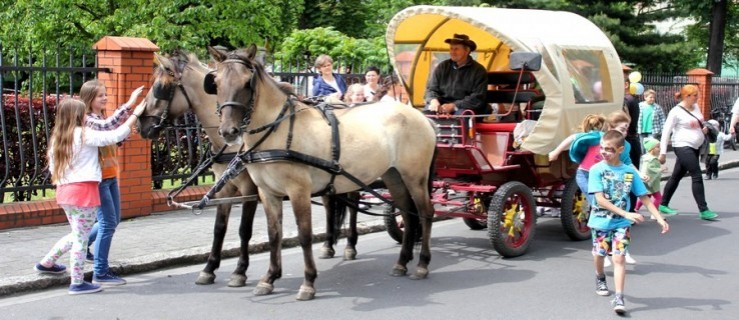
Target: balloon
(635,76)
(639,88)
(632,88)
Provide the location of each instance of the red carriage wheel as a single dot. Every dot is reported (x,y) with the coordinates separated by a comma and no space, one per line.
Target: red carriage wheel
(512,219)
(575,212)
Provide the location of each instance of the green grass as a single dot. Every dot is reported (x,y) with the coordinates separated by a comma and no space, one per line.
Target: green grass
(166,184)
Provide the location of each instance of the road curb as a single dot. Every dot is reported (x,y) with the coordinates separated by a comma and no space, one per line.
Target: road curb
(192,256)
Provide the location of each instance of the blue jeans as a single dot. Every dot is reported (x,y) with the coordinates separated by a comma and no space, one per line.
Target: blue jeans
(108,217)
(581,177)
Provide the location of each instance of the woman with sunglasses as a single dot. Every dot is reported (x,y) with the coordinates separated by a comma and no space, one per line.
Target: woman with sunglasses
(686,127)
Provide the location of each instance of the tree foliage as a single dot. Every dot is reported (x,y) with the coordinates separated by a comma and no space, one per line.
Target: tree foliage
(629,24)
(187,24)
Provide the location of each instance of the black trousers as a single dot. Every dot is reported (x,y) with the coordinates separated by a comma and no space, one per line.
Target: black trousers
(687,161)
(712,165)
(635,156)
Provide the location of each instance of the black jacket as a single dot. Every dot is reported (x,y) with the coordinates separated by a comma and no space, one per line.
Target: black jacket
(465,86)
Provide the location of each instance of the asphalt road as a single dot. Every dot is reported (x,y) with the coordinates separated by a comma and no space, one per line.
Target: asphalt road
(689,273)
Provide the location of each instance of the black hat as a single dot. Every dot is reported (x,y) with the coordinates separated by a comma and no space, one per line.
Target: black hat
(462,39)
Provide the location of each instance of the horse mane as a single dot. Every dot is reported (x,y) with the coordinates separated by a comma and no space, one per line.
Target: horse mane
(258,67)
(180,60)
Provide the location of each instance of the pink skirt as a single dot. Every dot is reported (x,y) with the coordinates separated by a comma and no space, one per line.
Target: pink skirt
(80,194)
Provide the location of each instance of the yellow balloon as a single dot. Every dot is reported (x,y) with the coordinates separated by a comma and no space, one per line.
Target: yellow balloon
(635,76)
(632,88)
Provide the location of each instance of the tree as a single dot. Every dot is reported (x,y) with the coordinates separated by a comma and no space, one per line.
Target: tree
(713,18)
(629,26)
(307,45)
(187,24)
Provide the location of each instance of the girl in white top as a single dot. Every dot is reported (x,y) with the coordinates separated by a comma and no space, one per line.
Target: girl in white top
(685,128)
(74,164)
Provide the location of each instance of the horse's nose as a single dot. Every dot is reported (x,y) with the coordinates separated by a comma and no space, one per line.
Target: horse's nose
(230,132)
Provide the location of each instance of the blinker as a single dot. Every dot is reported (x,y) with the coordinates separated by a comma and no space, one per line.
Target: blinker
(162,92)
(209,83)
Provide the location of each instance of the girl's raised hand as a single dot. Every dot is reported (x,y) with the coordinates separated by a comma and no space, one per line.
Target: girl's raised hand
(140,108)
(135,95)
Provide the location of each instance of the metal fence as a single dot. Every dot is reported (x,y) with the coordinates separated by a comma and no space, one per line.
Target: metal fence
(30,85)
(724,90)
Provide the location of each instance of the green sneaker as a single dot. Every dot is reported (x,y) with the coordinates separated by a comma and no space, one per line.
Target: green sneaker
(665,210)
(708,215)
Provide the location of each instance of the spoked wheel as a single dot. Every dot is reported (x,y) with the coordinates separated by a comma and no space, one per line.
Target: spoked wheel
(512,219)
(394,225)
(575,212)
(480,207)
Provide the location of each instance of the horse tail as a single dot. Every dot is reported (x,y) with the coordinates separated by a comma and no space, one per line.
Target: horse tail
(340,206)
(432,171)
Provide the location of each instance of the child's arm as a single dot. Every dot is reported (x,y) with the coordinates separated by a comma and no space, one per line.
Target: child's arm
(606,204)
(564,145)
(655,213)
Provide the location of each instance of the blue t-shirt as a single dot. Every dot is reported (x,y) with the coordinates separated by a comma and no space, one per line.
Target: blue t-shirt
(615,183)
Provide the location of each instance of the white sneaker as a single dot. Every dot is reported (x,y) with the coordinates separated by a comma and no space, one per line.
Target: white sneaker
(606,262)
(629,259)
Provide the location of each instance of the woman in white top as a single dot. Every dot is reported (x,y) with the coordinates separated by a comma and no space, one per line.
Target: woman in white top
(74,164)
(685,126)
(372,76)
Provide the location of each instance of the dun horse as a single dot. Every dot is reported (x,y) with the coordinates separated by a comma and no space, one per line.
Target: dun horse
(288,138)
(178,89)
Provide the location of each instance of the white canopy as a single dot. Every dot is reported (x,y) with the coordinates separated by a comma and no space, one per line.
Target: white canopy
(580,74)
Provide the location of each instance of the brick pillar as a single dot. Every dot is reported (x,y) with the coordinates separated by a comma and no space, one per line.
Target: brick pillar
(703,78)
(131,62)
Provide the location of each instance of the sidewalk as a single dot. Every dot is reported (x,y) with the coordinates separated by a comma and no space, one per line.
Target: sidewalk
(168,239)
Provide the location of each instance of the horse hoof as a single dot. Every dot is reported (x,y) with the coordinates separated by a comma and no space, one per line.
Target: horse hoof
(263,289)
(205,278)
(399,271)
(421,273)
(237,281)
(306,293)
(350,254)
(327,253)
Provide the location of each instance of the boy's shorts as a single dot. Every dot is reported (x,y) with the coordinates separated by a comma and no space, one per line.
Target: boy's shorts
(615,241)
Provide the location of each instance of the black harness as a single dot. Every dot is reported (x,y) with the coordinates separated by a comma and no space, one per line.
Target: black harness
(288,112)
(165,94)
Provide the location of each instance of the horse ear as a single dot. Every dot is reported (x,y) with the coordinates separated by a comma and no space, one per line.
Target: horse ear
(217,55)
(251,51)
(160,61)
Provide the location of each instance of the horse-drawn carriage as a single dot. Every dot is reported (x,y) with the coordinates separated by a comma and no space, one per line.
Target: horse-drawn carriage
(548,70)
(492,174)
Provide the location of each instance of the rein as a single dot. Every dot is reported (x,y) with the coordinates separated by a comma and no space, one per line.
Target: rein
(251,156)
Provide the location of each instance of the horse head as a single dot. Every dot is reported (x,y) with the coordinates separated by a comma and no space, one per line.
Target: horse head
(168,98)
(234,84)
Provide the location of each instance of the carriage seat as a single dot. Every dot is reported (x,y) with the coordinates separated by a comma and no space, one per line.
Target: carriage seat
(487,127)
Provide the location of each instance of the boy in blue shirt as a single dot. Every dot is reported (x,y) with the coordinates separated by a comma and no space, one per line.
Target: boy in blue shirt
(611,182)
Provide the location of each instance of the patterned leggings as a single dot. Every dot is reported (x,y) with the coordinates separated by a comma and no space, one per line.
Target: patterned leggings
(81,220)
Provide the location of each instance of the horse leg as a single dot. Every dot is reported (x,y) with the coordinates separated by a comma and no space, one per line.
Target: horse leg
(418,188)
(350,252)
(207,275)
(302,209)
(331,205)
(238,277)
(273,209)
(401,198)
(424,208)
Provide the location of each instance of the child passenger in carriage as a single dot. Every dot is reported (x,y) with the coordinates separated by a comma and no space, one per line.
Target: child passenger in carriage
(354,95)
